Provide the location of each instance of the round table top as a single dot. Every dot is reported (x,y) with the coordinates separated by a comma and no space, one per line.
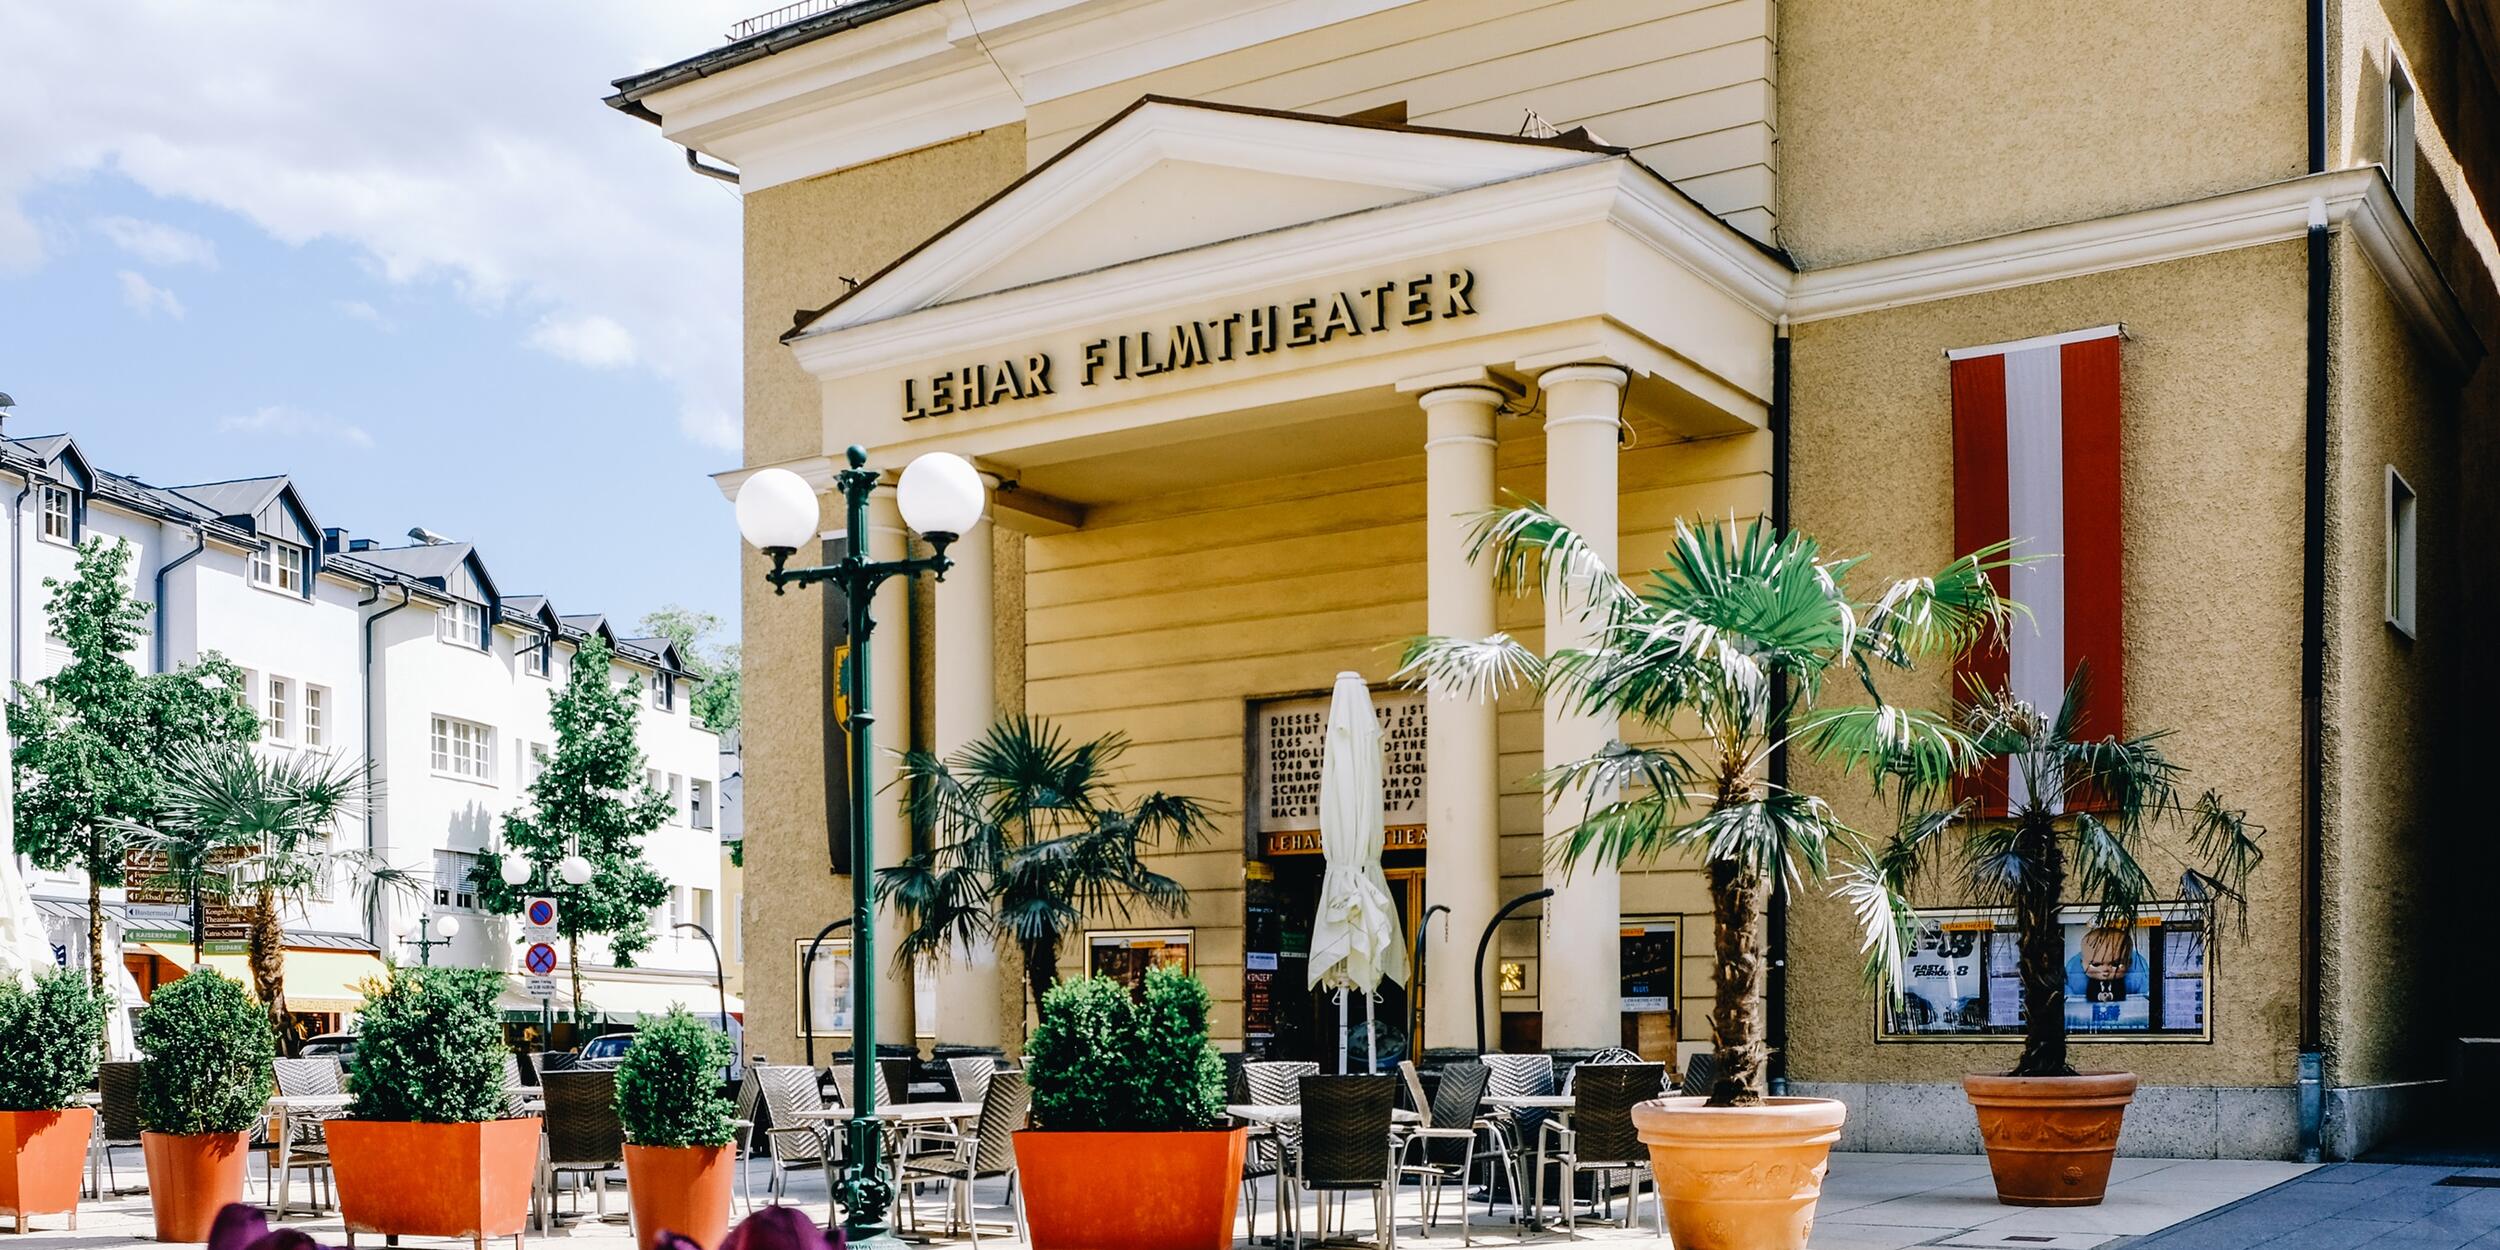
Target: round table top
(1290,1113)
(1530,1102)
(903,1111)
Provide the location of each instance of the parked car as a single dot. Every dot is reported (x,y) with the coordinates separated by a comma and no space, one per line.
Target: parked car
(341,1045)
(607,1051)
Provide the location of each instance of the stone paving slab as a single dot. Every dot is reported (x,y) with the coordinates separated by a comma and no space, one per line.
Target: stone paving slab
(2378,1205)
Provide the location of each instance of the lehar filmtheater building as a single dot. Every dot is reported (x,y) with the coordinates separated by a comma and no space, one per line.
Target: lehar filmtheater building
(1244,307)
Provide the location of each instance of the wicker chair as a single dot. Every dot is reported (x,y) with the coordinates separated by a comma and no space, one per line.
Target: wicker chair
(985,1152)
(513,1083)
(308,1146)
(116,1122)
(1599,1138)
(838,1085)
(1604,1058)
(1443,1148)
(583,1135)
(1272,1083)
(788,1092)
(971,1075)
(742,1133)
(1348,1144)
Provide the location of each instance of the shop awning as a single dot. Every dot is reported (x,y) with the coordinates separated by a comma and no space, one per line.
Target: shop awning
(620,999)
(316,980)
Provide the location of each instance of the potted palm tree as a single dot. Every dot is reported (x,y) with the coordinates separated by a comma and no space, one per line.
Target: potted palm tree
(678,1128)
(1029,838)
(1125,1085)
(49,1037)
(206,1081)
(425,1149)
(2063,809)
(1720,657)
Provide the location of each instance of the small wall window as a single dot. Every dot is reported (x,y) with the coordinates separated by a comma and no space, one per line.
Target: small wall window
(60,515)
(280,566)
(663,691)
(455,880)
(316,716)
(2402,567)
(278,717)
(462,623)
(699,803)
(534,656)
(2401,112)
(464,749)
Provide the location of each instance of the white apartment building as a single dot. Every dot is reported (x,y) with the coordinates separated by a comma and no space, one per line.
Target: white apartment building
(411,656)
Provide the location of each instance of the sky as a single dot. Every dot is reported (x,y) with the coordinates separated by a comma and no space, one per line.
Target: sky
(399,251)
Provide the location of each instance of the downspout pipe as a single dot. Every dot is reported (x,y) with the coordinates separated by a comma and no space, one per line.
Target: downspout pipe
(694,161)
(373,917)
(17,586)
(2312,1058)
(199,543)
(1776,996)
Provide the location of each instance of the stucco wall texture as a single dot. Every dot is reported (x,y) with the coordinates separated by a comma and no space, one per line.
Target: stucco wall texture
(1905,124)
(801,239)
(2213,542)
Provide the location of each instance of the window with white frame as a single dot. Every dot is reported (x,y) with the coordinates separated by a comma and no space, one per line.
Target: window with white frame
(701,906)
(534,655)
(534,756)
(699,803)
(663,692)
(316,716)
(461,622)
(676,799)
(2401,133)
(281,567)
(455,880)
(2402,568)
(676,906)
(464,749)
(60,515)
(651,778)
(277,719)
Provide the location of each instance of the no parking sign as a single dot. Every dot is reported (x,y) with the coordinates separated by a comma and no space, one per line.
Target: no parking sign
(539,963)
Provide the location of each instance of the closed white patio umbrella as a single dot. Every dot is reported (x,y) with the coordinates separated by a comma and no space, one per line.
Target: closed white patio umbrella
(1355,939)
(24,950)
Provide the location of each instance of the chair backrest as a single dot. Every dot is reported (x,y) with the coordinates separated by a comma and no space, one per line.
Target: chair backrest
(971,1075)
(299,1078)
(1601,1110)
(1276,1083)
(557,1061)
(1700,1072)
(118,1083)
(1517,1076)
(1413,1082)
(787,1091)
(1345,1130)
(1457,1102)
(1005,1102)
(893,1079)
(1610,1055)
(581,1118)
(839,1077)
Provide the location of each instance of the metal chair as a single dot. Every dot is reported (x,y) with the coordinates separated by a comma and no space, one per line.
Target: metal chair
(1599,1138)
(513,1083)
(1700,1072)
(1448,1144)
(116,1123)
(307,1145)
(971,1076)
(1609,1056)
(583,1135)
(788,1092)
(838,1081)
(1348,1144)
(742,1134)
(986,1151)
(1272,1083)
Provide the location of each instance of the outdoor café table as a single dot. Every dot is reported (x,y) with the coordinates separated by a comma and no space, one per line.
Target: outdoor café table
(1291,1113)
(1560,1105)
(284,1111)
(896,1117)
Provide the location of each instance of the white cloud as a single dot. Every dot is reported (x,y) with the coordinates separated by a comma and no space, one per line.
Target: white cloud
(592,341)
(359,310)
(158,243)
(710,426)
(512,185)
(148,299)
(278,419)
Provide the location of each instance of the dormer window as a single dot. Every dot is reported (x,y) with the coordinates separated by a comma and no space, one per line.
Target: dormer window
(461,623)
(281,567)
(663,692)
(534,657)
(60,515)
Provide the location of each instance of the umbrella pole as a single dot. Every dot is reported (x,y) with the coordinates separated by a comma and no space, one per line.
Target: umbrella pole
(1341,1031)
(1371,1034)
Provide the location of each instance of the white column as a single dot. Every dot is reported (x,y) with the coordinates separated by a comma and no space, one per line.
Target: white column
(968,1000)
(889,678)
(1580,981)
(1462,849)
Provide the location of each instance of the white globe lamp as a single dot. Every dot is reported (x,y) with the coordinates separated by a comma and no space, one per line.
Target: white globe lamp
(448,926)
(777,510)
(939,494)
(575,870)
(514,870)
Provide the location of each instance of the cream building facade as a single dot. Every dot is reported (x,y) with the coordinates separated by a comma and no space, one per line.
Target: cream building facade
(1243,308)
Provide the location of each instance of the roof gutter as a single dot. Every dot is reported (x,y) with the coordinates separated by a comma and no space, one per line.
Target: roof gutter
(694,161)
(631,89)
(2312,1056)
(199,543)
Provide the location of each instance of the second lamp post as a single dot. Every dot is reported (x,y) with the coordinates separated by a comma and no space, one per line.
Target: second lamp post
(941,497)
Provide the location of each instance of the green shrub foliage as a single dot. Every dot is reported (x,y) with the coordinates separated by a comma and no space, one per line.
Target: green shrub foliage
(430,1048)
(668,1088)
(208,1049)
(1102,1060)
(49,1039)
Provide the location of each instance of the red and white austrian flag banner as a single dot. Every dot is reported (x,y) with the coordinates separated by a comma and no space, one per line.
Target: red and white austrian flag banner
(2035,460)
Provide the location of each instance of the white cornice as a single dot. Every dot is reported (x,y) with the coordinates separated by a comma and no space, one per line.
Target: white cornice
(816,471)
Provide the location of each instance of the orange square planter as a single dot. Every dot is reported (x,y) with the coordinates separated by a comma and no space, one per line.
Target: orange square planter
(434,1180)
(41,1153)
(1130,1191)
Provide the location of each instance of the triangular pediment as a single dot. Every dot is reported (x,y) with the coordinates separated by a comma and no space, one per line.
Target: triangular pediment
(1169,175)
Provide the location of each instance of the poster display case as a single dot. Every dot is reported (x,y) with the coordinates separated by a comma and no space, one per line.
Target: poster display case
(2147,982)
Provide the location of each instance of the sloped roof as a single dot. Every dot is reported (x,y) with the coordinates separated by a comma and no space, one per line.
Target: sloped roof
(240,497)
(430,562)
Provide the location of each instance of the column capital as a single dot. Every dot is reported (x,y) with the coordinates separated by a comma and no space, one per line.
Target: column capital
(1485,396)
(1615,376)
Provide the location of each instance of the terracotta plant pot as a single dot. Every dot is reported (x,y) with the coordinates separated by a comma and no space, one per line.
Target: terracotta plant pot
(190,1177)
(400,1178)
(1739,1178)
(1130,1191)
(679,1189)
(2050,1138)
(41,1153)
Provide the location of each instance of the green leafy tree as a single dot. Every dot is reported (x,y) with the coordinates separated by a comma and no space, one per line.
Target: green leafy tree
(1104,1060)
(90,737)
(209,1052)
(668,1087)
(716,666)
(1029,837)
(2078,810)
(1721,656)
(592,799)
(429,1048)
(50,1038)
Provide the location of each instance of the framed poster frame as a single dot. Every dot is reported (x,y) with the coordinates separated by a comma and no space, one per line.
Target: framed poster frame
(2153,917)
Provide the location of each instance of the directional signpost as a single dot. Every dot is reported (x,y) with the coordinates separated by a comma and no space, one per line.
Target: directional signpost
(538,959)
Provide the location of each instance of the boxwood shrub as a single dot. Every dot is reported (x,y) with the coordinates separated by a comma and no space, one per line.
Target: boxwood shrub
(1104,1060)
(668,1087)
(208,1048)
(429,1048)
(50,1037)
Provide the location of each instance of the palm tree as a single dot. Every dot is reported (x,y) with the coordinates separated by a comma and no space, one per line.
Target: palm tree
(1721,657)
(1029,837)
(262,825)
(2075,809)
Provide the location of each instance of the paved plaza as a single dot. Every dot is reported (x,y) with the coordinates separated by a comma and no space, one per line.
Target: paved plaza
(1870,1202)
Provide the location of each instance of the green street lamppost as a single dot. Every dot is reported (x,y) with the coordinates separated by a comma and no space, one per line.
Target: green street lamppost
(424,927)
(941,497)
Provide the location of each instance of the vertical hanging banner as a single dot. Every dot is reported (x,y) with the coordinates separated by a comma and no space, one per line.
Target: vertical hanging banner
(2035,460)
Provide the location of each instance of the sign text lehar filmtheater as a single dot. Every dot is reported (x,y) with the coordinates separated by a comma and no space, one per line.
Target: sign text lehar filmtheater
(1255,331)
